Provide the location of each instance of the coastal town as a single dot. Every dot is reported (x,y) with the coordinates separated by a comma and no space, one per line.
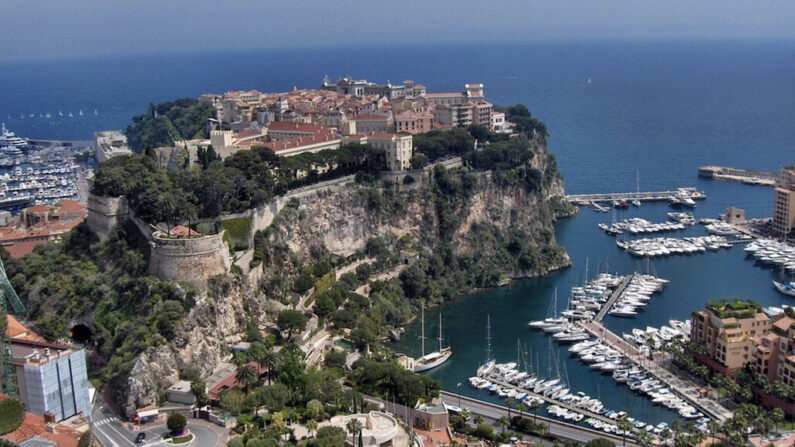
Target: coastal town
(276,317)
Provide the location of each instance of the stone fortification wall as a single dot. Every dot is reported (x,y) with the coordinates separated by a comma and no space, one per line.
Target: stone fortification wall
(191,261)
(104,213)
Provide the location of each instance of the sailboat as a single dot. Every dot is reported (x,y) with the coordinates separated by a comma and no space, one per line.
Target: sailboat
(551,323)
(435,358)
(636,201)
(489,364)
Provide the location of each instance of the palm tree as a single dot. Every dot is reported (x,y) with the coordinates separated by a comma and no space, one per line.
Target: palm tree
(644,438)
(247,376)
(503,422)
(465,414)
(626,428)
(269,360)
(478,419)
(534,405)
(665,435)
(777,415)
(509,403)
(311,426)
(238,359)
(676,428)
(353,426)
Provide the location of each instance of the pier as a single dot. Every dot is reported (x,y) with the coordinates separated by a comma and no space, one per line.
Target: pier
(583,199)
(613,298)
(747,176)
(685,390)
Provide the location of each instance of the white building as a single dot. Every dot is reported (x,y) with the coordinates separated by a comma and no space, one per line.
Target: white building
(110,143)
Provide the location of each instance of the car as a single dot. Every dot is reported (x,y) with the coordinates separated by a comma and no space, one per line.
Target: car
(140,438)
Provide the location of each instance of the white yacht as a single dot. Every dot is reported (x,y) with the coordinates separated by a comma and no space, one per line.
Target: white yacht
(435,358)
(8,139)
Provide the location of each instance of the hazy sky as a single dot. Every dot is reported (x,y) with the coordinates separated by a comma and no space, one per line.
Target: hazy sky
(47,28)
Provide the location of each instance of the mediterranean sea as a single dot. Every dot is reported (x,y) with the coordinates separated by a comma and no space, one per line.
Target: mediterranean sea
(652,110)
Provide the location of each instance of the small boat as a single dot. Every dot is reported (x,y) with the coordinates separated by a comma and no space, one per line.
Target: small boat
(785,288)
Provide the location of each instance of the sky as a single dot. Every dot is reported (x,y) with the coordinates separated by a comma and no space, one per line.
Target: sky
(57,28)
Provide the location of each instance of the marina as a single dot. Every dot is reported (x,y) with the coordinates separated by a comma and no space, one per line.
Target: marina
(667,246)
(637,225)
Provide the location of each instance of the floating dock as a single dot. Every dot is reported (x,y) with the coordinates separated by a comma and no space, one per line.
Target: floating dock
(747,176)
(588,199)
(613,298)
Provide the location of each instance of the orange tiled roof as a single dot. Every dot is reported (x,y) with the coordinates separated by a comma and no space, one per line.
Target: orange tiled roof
(33,425)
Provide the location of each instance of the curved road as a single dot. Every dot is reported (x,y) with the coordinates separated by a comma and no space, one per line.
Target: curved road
(112,432)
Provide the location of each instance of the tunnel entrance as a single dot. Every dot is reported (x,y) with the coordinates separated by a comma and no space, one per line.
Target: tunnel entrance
(81,333)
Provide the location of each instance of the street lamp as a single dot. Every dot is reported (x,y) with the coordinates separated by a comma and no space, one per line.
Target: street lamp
(458,386)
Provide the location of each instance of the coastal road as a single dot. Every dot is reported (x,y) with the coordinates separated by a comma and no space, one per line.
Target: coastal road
(491,412)
(112,432)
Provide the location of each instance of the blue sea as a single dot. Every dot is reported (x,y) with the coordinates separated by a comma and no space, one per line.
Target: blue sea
(653,110)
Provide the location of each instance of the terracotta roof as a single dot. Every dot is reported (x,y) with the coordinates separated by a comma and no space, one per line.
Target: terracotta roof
(22,248)
(16,330)
(230,382)
(183,231)
(37,209)
(287,126)
(370,117)
(33,425)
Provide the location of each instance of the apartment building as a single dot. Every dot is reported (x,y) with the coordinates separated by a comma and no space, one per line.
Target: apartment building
(414,122)
(398,148)
(51,377)
(784,204)
(728,331)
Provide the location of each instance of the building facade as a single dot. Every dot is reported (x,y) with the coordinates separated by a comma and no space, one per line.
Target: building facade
(52,378)
(784,204)
(728,332)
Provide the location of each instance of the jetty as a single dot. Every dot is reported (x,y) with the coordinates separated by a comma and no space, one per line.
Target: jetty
(649,196)
(613,298)
(684,389)
(747,176)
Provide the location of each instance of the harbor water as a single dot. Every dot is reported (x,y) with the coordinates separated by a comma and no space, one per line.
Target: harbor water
(652,110)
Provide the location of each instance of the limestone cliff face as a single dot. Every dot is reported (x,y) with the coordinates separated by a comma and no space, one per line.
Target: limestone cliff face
(216,321)
(341,219)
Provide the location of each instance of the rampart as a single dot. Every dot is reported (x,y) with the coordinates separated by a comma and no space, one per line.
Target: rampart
(104,213)
(188,260)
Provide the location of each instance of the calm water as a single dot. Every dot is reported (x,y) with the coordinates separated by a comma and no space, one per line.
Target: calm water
(659,110)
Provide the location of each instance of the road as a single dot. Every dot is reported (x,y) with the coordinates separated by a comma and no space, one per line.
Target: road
(491,413)
(111,431)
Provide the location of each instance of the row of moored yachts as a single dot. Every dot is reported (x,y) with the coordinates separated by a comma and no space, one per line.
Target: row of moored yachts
(665,246)
(655,337)
(639,226)
(609,360)
(777,253)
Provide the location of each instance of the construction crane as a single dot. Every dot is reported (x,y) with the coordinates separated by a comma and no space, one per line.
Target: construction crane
(9,380)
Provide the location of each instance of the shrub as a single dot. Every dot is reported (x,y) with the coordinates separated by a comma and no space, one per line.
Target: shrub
(176,423)
(12,412)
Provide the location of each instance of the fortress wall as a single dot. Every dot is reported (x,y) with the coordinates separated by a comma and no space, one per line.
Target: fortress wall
(104,213)
(191,261)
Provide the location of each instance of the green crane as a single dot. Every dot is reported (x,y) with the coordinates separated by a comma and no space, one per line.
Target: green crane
(9,381)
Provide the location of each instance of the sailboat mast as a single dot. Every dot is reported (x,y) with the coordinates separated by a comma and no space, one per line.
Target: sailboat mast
(440,332)
(422,320)
(488,338)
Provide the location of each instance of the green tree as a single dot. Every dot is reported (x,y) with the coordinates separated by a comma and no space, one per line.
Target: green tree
(247,376)
(232,401)
(199,389)
(291,320)
(626,428)
(503,422)
(176,423)
(599,442)
(237,441)
(311,426)
(330,436)
(354,427)
(276,396)
(314,410)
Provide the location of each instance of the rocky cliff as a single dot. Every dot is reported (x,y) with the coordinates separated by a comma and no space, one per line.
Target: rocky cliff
(499,218)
